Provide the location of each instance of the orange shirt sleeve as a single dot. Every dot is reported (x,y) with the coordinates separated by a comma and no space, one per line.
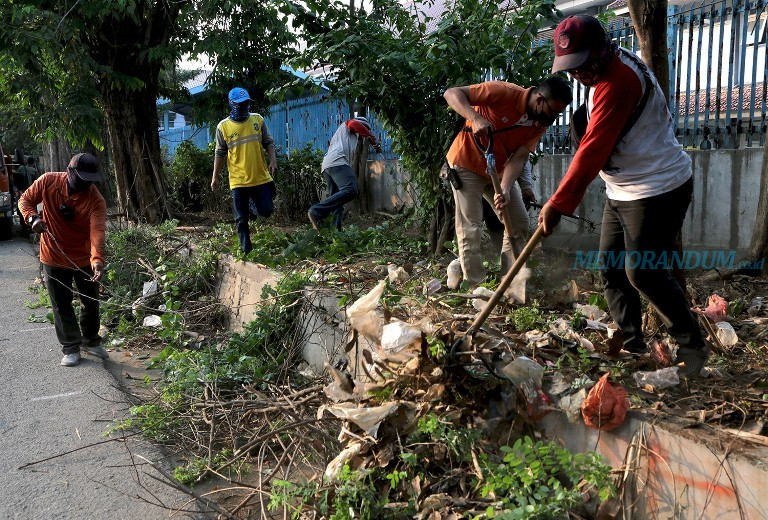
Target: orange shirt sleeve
(98,230)
(31,197)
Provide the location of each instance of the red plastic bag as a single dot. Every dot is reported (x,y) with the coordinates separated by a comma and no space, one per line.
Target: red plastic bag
(605,407)
(717,308)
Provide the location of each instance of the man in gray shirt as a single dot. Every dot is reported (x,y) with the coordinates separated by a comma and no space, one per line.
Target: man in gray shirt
(338,172)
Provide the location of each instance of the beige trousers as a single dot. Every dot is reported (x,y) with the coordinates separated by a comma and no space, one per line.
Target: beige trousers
(469,225)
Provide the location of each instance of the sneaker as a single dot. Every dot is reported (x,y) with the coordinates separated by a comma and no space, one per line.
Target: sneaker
(97,351)
(313,221)
(693,360)
(70,360)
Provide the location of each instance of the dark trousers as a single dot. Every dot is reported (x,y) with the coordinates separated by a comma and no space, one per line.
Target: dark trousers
(72,335)
(242,198)
(643,230)
(342,188)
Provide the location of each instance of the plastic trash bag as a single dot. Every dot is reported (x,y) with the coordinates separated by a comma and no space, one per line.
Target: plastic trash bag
(726,334)
(717,308)
(364,316)
(526,375)
(571,405)
(396,274)
(398,335)
(658,379)
(433,286)
(591,312)
(153,320)
(515,293)
(454,274)
(479,303)
(605,407)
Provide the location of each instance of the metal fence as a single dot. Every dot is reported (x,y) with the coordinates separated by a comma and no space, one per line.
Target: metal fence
(718,72)
(313,120)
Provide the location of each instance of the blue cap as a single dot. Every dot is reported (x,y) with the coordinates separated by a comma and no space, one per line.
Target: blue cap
(238,95)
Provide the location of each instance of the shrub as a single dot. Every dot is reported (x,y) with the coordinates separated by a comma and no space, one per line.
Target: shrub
(190,178)
(299,181)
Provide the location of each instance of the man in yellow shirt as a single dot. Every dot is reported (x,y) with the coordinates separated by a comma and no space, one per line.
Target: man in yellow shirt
(242,138)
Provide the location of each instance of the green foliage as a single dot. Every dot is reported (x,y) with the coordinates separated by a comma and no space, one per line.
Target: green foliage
(196,469)
(182,276)
(459,441)
(599,301)
(436,347)
(527,318)
(355,496)
(261,352)
(43,298)
(299,181)
(394,60)
(155,421)
(274,248)
(189,473)
(735,307)
(542,480)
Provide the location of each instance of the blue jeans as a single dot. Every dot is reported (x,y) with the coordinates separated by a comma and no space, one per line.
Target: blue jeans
(242,198)
(342,188)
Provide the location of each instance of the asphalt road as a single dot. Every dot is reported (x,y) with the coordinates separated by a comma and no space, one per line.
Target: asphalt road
(48,410)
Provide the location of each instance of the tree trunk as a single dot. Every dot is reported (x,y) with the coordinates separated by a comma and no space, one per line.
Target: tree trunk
(360,166)
(56,156)
(135,144)
(650,21)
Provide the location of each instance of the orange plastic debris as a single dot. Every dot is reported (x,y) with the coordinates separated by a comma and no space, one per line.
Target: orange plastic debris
(605,407)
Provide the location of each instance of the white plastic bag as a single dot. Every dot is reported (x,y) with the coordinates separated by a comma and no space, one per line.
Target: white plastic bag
(479,303)
(726,334)
(364,315)
(658,379)
(153,320)
(454,274)
(397,335)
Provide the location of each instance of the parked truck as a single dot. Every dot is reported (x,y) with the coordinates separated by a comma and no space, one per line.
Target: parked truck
(7,201)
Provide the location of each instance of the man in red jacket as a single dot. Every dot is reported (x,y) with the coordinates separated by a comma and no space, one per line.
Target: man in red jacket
(630,142)
(72,244)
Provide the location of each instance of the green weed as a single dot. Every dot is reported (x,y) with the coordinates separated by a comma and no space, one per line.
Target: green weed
(542,480)
(528,318)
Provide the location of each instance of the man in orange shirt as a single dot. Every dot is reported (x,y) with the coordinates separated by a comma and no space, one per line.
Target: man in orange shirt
(72,244)
(516,118)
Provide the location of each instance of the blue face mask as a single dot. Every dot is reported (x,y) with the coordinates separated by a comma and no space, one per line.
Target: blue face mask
(239,111)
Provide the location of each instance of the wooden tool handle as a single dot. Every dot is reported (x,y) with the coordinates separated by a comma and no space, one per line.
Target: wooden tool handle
(507,280)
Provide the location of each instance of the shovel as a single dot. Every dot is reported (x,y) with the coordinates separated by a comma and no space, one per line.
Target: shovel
(499,292)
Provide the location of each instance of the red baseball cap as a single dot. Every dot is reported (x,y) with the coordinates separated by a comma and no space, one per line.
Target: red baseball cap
(575,38)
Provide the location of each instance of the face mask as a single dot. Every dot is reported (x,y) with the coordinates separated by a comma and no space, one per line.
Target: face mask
(591,72)
(239,111)
(541,116)
(75,183)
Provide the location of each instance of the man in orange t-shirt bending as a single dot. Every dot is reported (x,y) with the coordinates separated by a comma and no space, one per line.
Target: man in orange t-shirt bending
(72,244)
(517,118)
